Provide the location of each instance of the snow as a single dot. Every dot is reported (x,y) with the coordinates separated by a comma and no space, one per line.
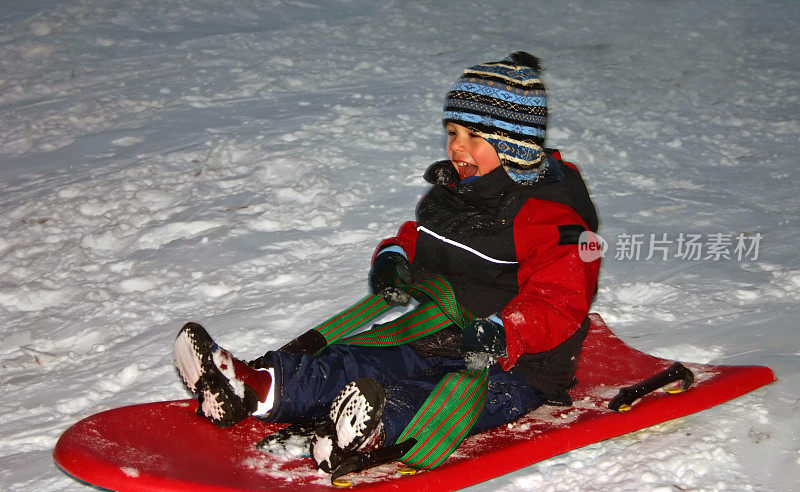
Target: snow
(235,162)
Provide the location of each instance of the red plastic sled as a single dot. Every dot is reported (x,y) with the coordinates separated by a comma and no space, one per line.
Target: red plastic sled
(166,446)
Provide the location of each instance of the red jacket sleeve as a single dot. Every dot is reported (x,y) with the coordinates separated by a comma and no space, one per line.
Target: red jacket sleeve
(555,286)
(406,238)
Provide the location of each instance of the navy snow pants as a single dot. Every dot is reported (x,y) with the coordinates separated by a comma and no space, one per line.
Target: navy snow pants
(306,385)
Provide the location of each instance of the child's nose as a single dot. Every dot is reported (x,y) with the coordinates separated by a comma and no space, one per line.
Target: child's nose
(457,143)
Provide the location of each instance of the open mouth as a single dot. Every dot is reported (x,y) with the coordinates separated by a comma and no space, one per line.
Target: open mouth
(465,170)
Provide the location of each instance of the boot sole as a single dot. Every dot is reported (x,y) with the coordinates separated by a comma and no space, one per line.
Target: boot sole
(218,399)
(356,412)
(192,354)
(364,397)
(218,402)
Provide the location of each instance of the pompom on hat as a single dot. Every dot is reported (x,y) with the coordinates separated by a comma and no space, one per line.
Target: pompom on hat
(505,103)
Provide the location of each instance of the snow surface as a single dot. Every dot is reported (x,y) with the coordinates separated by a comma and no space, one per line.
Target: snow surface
(235,162)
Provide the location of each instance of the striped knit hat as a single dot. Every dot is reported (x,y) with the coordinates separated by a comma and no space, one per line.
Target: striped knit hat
(505,103)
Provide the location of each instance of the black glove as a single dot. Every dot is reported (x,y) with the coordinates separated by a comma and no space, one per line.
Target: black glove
(389,269)
(308,343)
(482,342)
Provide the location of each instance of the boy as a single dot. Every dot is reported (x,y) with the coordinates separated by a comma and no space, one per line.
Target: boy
(501,224)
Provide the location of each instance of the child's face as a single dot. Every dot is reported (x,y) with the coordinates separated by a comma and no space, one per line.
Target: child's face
(470,154)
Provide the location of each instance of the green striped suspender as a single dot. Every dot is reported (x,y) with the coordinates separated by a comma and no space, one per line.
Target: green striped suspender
(447,416)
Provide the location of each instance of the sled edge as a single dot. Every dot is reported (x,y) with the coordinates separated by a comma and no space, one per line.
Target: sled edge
(560,440)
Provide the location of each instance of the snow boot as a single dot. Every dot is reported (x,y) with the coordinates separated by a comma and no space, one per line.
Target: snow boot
(229,390)
(354,424)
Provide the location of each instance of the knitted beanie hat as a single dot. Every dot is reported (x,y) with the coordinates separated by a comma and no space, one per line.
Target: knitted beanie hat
(505,103)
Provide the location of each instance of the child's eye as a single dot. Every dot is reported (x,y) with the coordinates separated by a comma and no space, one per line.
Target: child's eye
(474,135)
